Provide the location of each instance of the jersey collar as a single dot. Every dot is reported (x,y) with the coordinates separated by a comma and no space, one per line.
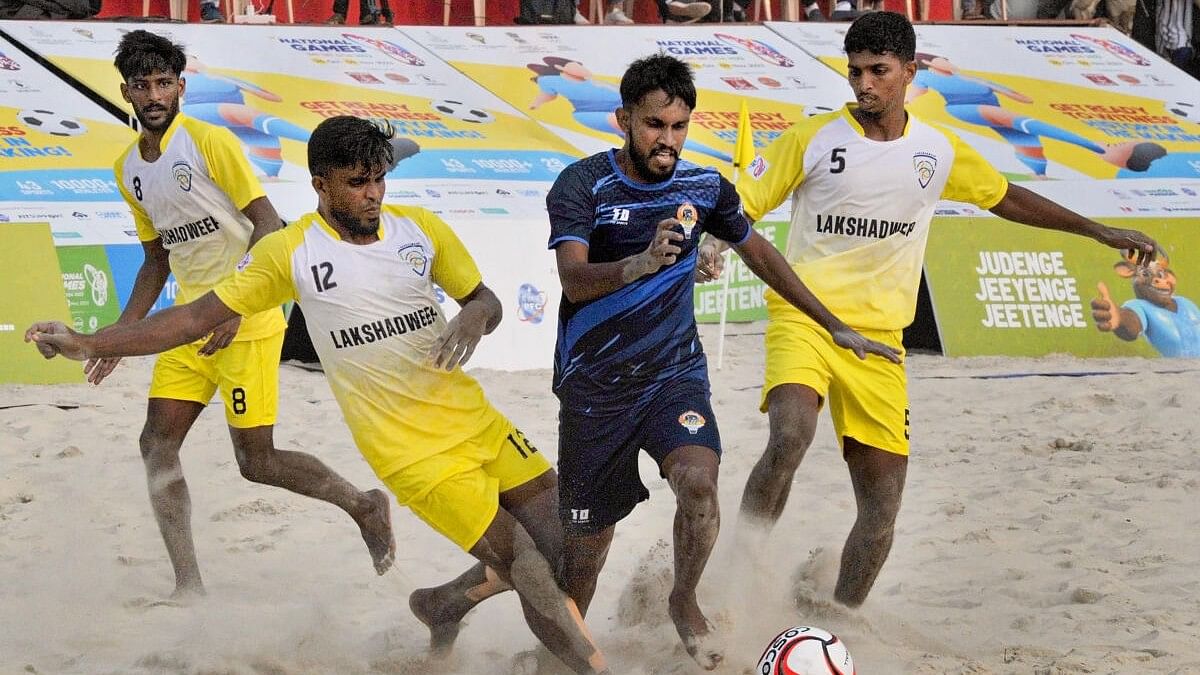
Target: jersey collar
(612,161)
(166,137)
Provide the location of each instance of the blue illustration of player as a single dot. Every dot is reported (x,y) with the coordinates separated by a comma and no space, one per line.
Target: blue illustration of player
(1171,323)
(220,100)
(977,101)
(594,104)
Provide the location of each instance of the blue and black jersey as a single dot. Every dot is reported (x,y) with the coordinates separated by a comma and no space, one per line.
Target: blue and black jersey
(618,351)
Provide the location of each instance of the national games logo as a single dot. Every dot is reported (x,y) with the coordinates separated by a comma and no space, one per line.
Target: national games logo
(414,255)
(183,175)
(1115,48)
(692,421)
(531,304)
(392,50)
(758,48)
(757,167)
(924,164)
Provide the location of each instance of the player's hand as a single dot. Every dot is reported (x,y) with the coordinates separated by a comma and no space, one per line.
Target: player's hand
(1106,315)
(53,338)
(709,263)
(221,337)
(662,250)
(98,369)
(458,343)
(848,338)
(1135,244)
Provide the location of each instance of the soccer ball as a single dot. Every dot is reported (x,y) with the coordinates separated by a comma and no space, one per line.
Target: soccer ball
(812,110)
(50,122)
(1185,111)
(804,650)
(462,112)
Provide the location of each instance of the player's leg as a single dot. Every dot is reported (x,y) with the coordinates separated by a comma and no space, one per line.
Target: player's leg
(179,390)
(681,434)
(878,478)
(248,374)
(797,378)
(167,424)
(868,401)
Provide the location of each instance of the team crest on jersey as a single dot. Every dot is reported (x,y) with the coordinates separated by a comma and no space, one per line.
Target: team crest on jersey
(183,175)
(757,167)
(924,164)
(414,255)
(687,216)
(692,421)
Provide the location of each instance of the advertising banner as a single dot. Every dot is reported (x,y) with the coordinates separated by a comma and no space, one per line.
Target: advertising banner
(567,77)
(55,144)
(1001,288)
(35,294)
(1047,102)
(460,137)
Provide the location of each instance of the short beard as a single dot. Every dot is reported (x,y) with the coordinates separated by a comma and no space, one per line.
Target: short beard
(172,112)
(641,165)
(354,225)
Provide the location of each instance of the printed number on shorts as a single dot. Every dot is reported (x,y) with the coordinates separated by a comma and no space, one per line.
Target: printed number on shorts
(238,395)
(521,443)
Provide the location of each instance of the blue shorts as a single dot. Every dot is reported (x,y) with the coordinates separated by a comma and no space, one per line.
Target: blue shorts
(598,481)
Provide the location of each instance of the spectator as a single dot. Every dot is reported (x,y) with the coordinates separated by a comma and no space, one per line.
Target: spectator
(842,11)
(618,12)
(681,11)
(1173,33)
(210,12)
(370,12)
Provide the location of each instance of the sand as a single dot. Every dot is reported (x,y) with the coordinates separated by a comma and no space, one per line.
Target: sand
(1050,525)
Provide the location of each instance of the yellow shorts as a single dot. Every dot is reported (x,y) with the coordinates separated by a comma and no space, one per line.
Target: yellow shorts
(458,491)
(868,400)
(246,372)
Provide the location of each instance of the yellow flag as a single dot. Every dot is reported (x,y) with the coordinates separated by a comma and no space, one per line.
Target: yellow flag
(743,151)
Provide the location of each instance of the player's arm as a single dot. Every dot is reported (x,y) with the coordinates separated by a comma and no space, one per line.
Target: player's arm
(1025,206)
(480,314)
(583,280)
(159,332)
(265,218)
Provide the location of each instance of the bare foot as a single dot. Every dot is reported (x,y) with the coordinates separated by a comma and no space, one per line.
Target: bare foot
(186,594)
(695,631)
(376,529)
(442,631)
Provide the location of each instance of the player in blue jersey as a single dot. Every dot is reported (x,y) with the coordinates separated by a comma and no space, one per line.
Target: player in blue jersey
(630,373)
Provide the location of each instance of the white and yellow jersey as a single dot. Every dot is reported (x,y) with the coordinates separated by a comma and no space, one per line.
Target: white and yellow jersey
(373,316)
(192,198)
(861,209)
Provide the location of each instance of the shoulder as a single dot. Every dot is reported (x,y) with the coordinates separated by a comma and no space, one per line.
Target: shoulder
(123,158)
(584,174)
(204,133)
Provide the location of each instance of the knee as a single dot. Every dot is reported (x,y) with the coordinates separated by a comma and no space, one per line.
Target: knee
(787,446)
(157,447)
(256,467)
(695,489)
(878,517)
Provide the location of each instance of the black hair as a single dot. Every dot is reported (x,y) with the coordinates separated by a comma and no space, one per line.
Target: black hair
(142,52)
(346,141)
(882,33)
(660,71)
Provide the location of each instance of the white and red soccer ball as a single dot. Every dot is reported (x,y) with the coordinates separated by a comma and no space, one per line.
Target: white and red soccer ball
(804,650)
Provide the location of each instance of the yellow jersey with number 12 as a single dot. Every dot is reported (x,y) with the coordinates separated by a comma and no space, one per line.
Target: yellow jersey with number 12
(861,210)
(373,316)
(192,198)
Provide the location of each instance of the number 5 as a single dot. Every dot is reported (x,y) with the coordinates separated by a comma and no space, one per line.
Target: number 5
(837,163)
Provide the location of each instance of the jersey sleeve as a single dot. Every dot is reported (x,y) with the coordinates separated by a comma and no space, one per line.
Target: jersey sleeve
(453,267)
(571,206)
(229,167)
(775,172)
(972,179)
(141,219)
(263,279)
(727,221)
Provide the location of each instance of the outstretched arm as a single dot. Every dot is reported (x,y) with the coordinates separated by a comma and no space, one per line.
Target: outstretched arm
(769,264)
(159,332)
(1024,206)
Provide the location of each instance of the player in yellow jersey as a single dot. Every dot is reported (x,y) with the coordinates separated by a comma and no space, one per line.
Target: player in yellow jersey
(198,208)
(864,182)
(364,274)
